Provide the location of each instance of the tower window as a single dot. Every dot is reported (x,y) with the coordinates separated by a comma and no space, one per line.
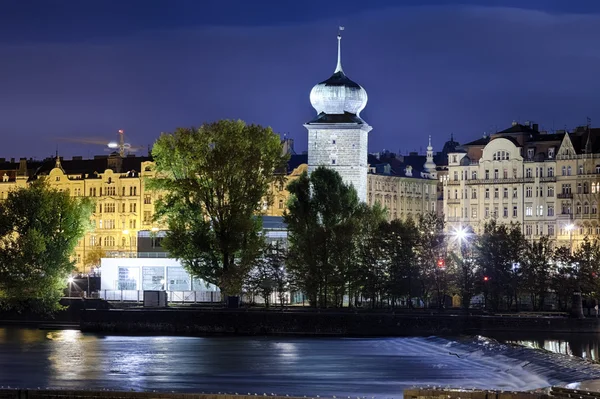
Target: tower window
(333,161)
(332,141)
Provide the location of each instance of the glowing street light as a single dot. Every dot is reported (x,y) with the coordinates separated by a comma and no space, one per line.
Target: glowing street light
(570,227)
(461,234)
(70,280)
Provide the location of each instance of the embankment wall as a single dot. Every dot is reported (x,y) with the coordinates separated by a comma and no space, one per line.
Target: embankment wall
(325,323)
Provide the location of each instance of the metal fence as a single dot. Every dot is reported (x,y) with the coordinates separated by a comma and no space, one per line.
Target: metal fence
(173,296)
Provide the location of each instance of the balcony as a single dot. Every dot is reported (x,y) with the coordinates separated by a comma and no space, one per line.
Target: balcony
(452,201)
(512,180)
(548,179)
(564,195)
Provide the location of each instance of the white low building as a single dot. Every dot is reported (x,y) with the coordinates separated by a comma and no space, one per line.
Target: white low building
(126,279)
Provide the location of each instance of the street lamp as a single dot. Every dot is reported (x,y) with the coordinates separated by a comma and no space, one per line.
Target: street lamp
(570,228)
(70,280)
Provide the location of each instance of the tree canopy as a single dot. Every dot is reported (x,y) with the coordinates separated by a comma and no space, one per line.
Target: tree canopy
(39,229)
(214,181)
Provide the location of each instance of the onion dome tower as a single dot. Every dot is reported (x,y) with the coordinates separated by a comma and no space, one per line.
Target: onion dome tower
(338,136)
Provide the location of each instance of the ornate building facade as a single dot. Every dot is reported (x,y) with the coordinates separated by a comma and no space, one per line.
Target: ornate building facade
(123,205)
(549,183)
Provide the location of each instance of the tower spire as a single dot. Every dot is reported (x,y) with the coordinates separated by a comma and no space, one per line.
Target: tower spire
(338,68)
(57,160)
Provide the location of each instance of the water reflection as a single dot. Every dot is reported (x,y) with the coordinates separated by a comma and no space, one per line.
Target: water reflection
(264,365)
(586,346)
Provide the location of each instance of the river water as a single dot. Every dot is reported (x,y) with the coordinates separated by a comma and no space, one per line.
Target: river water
(68,359)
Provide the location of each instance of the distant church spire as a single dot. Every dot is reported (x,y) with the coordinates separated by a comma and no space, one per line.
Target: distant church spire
(57,164)
(338,68)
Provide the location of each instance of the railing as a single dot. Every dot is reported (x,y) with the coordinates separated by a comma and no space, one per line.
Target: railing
(548,179)
(173,296)
(115,254)
(510,180)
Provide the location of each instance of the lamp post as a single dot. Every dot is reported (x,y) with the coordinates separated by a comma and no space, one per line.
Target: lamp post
(570,228)
(70,280)
(462,235)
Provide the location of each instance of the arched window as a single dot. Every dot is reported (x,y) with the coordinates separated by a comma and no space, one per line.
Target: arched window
(594,208)
(578,208)
(586,208)
(568,171)
(123,242)
(109,241)
(564,171)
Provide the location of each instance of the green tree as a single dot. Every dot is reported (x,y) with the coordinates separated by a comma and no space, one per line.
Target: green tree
(321,216)
(268,275)
(563,280)
(463,269)
(372,266)
(496,250)
(399,240)
(39,229)
(586,260)
(431,248)
(214,181)
(536,270)
(93,257)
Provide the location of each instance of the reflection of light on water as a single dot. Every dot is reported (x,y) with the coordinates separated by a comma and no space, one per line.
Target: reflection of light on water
(67,356)
(287,349)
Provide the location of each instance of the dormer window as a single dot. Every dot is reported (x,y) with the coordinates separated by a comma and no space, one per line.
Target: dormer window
(551,152)
(454,158)
(530,152)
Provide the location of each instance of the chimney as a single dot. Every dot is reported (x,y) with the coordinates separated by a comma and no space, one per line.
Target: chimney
(12,160)
(22,167)
(535,127)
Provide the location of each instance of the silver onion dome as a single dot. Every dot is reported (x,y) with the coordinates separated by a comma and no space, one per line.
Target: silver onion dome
(338,94)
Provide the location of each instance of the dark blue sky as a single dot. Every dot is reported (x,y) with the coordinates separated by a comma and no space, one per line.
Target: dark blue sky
(88,68)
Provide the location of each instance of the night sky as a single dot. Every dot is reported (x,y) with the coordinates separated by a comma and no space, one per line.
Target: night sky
(86,68)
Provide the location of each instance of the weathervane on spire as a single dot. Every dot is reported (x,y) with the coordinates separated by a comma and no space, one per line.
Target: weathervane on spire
(338,68)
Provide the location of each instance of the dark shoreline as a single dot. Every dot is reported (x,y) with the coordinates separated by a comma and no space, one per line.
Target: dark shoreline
(198,322)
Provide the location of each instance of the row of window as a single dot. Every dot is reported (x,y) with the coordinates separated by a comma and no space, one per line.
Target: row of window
(109,191)
(530,209)
(410,187)
(539,172)
(110,224)
(109,207)
(539,230)
(109,241)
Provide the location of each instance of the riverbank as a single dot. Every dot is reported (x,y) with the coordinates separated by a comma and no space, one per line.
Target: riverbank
(319,323)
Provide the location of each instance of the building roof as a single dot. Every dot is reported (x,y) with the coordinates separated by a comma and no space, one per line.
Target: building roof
(482,141)
(518,128)
(98,164)
(346,117)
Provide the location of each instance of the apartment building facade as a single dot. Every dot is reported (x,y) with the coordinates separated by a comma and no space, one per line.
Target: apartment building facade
(548,183)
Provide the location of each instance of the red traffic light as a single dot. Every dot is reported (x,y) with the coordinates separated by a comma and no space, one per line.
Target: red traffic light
(486,278)
(441,263)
